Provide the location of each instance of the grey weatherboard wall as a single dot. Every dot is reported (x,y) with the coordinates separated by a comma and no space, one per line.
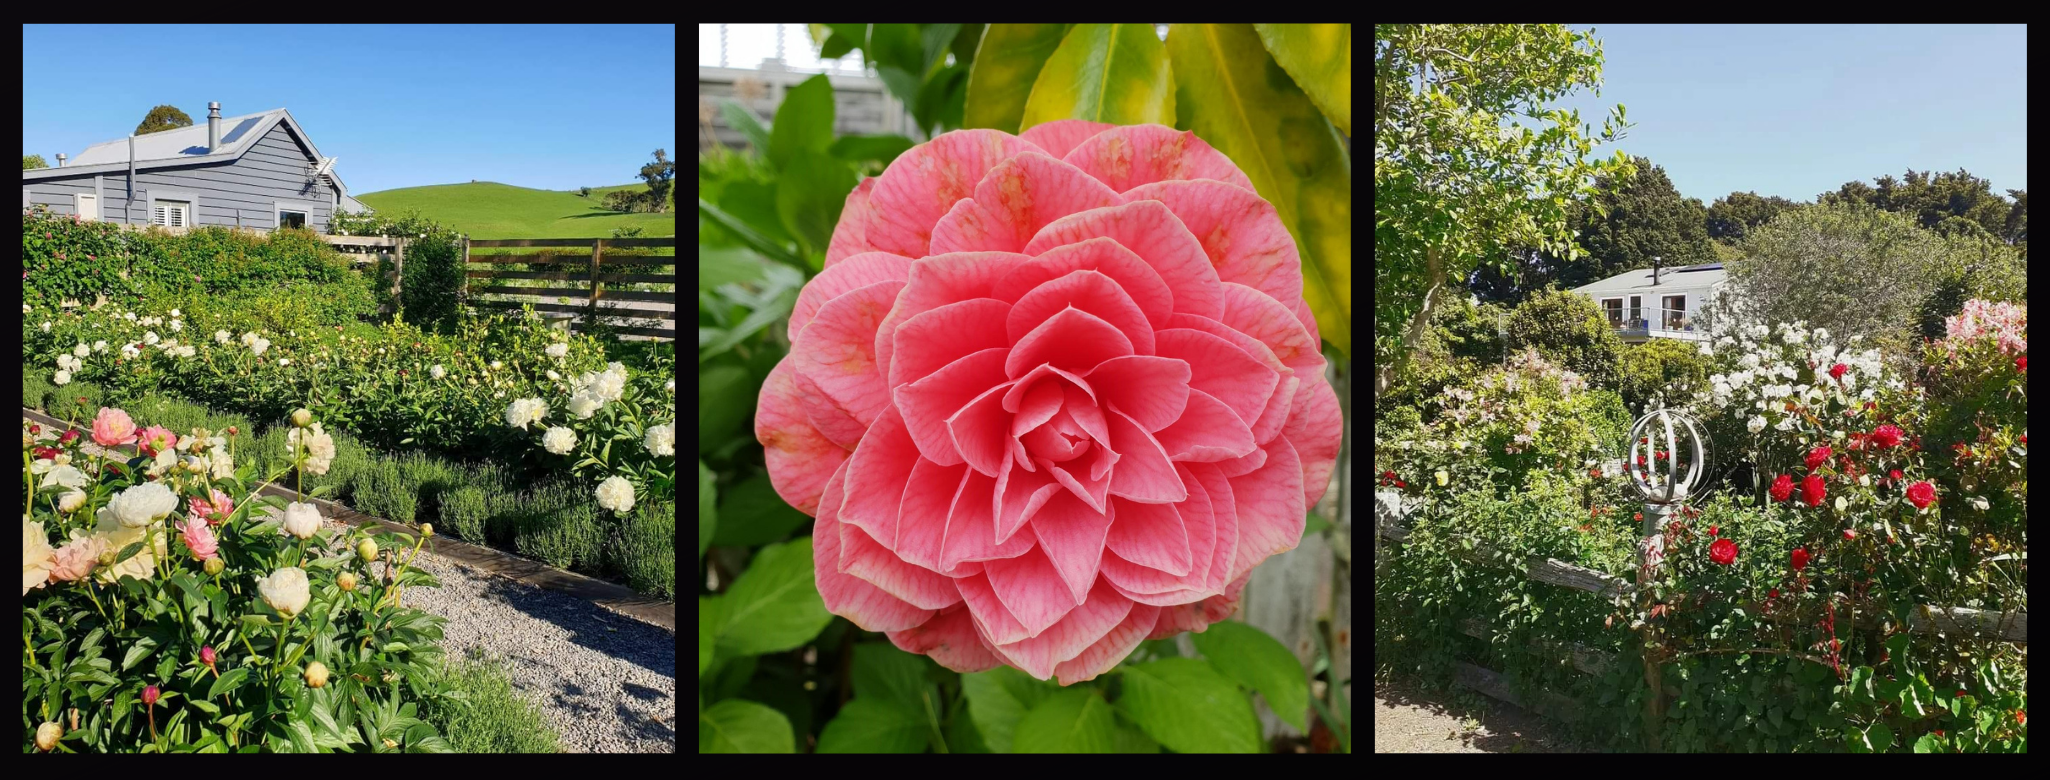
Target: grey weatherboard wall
(249,188)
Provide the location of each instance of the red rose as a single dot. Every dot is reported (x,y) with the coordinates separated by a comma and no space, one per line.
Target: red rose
(1723,551)
(1812,490)
(1775,593)
(1712,530)
(1886,436)
(1850,534)
(1818,456)
(2021,718)
(1400,484)
(1921,494)
(1782,487)
(1960,692)
(1800,558)
(2021,362)
(1661,455)
(1894,474)
(1837,371)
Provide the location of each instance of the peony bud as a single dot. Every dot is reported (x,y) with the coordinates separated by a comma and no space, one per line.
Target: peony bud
(234,430)
(206,655)
(302,418)
(316,675)
(427,529)
(47,736)
(149,695)
(215,565)
(347,580)
(367,550)
(390,745)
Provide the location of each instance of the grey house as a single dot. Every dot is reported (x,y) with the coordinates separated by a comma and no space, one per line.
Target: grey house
(258,171)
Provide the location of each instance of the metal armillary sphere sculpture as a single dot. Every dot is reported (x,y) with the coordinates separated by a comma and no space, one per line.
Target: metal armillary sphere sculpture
(1663,491)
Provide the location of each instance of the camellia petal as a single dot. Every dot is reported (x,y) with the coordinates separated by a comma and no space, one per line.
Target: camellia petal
(1139,281)
(857,272)
(880,468)
(1151,231)
(1315,429)
(922,184)
(927,403)
(1073,339)
(1018,197)
(1151,535)
(1098,614)
(1062,135)
(1242,234)
(971,524)
(837,350)
(1224,371)
(850,236)
(850,597)
(937,281)
(1031,589)
(1270,507)
(1115,646)
(800,459)
(929,341)
(1206,431)
(1088,291)
(1153,390)
(949,637)
(1126,157)
(863,557)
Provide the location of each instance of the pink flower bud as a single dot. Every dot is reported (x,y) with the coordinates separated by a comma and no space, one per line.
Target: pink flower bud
(206,656)
(150,695)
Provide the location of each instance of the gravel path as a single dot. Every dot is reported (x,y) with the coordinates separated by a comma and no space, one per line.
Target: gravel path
(1410,719)
(607,683)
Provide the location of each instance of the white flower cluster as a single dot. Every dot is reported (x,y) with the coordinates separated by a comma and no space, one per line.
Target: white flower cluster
(320,447)
(559,440)
(594,390)
(525,411)
(661,440)
(557,350)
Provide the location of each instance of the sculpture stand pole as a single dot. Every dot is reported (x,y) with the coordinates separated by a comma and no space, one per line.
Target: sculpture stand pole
(1661,493)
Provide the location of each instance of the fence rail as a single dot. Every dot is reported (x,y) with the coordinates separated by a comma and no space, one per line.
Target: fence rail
(584,273)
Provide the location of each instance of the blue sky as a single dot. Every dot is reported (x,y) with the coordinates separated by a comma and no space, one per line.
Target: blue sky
(1798,110)
(545,106)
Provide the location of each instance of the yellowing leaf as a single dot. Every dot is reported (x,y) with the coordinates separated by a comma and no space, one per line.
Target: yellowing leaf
(1115,73)
(1234,96)
(1319,58)
(1006,63)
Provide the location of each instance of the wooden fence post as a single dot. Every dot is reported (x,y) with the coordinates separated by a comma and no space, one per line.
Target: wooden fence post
(398,270)
(597,255)
(464,271)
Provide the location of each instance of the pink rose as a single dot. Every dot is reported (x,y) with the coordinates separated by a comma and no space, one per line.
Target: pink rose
(113,427)
(1053,394)
(200,539)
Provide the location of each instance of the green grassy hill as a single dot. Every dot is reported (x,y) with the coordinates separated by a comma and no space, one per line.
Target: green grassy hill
(493,210)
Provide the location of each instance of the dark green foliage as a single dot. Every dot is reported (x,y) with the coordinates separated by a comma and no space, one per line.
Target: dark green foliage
(1463,339)
(351,458)
(161,118)
(35,389)
(1729,218)
(1569,330)
(566,537)
(383,491)
(625,201)
(429,293)
(583,192)
(1630,219)
(1930,200)
(464,512)
(32,162)
(644,548)
(1669,368)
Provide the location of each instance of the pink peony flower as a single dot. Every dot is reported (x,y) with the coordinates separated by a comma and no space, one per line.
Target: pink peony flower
(154,439)
(1052,395)
(113,427)
(200,539)
(77,560)
(214,511)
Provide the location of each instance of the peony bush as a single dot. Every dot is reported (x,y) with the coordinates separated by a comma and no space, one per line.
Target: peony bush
(1053,394)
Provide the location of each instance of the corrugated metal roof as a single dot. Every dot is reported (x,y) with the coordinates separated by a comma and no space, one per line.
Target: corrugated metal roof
(237,133)
(1689,277)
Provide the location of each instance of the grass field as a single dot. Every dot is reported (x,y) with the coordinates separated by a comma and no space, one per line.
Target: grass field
(493,210)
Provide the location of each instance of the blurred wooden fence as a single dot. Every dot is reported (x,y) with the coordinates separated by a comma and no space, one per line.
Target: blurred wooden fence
(582,271)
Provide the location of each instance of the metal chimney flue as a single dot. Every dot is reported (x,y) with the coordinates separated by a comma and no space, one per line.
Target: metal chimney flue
(213,127)
(60,159)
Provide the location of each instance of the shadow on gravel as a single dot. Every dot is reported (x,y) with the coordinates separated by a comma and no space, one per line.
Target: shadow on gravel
(592,627)
(1440,721)
(638,726)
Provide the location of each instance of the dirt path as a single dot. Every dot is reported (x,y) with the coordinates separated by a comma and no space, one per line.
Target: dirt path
(1411,719)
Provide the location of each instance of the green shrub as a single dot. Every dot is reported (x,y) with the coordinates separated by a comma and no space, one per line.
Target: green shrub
(1672,369)
(485,714)
(383,491)
(644,548)
(1571,332)
(566,537)
(430,478)
(267,452)
(346,470)
(35,390)
(464,511)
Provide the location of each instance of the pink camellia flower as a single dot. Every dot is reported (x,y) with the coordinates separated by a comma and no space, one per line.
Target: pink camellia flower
(1922,494)
(212,511)
(154,439)
(113,427)
(1052,395)
(200,539)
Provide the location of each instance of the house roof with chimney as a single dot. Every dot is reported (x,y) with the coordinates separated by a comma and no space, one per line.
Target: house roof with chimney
(1670,280)
(183,146)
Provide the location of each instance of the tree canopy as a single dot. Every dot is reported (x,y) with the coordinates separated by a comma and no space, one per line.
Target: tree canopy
(1458,182)
(163,118)
(1730,217)
(1933,200)
(659,175)
(33,161)
(1630,219)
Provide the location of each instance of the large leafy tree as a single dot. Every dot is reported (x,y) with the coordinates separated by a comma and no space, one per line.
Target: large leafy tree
(1730,217)
(1940,201)
(1457,180)
(1632,218)
(162,118)
(33,161)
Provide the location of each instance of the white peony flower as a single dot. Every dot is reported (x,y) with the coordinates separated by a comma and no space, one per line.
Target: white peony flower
(151,338)
(557,350)
(524,411)
(1980,503)
(249,338)
(495,365)
(616,494)
(46,326)
(174,313)
(66,476)
(282,362)
(437,372)
(661,440)
(559,440)
(62,378)
(320,447)
(583,405)
(70,501)
(1749,360)
(100,346)
(81,350)
(554,377)
(259,345)
(302,520)
(143,504)
(286,590)
(177,326)
(222,336)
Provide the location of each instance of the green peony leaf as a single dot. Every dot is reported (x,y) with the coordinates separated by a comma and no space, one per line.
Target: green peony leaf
(775,605)
(741,726)
(874,726)
(1190,708)
(1259,662)
(1076,720)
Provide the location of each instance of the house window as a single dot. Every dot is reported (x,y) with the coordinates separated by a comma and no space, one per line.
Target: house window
(1614,307)
(170,213)
(1676,313)
(291,219)
(1636,314)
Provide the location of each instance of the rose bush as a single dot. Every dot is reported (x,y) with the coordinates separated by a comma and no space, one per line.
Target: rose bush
(1052,394)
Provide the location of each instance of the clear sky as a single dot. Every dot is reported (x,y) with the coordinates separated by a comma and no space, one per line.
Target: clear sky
(1798,110)
(544,106)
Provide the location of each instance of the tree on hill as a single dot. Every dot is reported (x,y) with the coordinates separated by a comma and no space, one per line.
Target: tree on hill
(658,175)
(624,201)
(583,192)
(33,161)
(163,118)
(1930,199)
(1729,218)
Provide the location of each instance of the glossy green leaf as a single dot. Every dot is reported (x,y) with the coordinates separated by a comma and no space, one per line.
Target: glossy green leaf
(1116,73)
(752,514)
(768,248)
(903,82)
(804,121)
(739,726)
(881,148)
(934,40)
(1132,740)
(1319,58)
(1190,708)
(1076,720)
(998,699)
(754,203)
(728,265)
(940,98)
(1259,662)
(896,46)
(740,118)
(835,47)
(1007,61)
(761,318)
(809,196)
(775,605)
(964,43)
(883,672)
(1238,100)
(723,403)
(708,514)
(708,633)
(1314,524)
(874,726)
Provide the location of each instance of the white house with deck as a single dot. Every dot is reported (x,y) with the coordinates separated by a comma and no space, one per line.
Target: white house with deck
(1657,302)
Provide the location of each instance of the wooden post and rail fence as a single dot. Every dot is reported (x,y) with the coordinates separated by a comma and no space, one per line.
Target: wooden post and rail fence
(2011,627)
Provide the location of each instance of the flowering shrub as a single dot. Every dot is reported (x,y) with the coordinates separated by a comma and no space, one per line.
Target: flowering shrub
(136,600)
(1510,425)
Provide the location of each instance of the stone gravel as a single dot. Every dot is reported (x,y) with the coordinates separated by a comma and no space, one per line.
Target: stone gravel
(606,682)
